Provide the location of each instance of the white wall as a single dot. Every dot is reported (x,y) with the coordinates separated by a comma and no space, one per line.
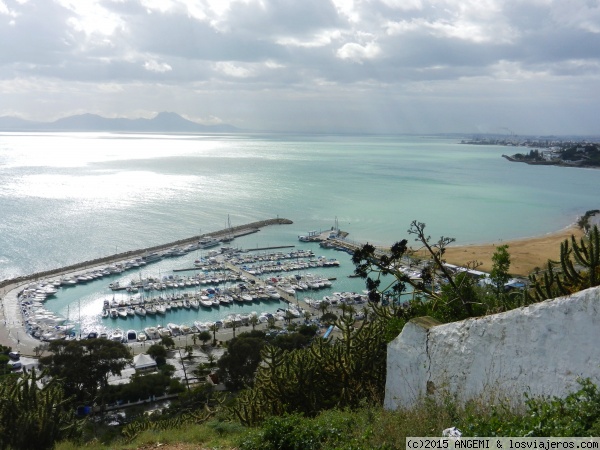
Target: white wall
(541,349)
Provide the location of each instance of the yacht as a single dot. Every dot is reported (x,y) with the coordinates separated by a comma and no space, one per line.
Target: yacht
(174,328)
(225,299)
(132,336)
(163,331)
(208,242)
(272,292)
(117,335)
(202,326)
(152,333)
(205,301)
(150,257)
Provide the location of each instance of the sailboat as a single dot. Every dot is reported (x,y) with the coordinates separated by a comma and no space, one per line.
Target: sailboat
(229,236)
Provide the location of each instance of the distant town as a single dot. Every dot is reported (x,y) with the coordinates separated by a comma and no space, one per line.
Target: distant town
(583,153)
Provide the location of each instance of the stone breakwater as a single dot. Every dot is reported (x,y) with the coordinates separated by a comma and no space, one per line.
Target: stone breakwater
(235,231)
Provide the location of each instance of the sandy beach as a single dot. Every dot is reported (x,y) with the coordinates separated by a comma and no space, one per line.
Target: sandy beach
(525,254)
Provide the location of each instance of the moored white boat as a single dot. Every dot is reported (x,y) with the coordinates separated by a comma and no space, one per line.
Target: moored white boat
(205,301)
(208,242)
(117,335)
(152,333)
(162,331)
(174,328)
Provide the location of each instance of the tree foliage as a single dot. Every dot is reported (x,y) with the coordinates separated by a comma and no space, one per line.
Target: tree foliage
(238,365)
(142,387)
(374,266)
(157,350)
(500,267)
(85,366)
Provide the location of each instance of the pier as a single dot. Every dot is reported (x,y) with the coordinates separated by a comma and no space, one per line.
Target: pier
(268,248)
(350,246)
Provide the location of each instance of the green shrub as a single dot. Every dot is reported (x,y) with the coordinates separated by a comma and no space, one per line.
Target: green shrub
(294,432)
(578,414)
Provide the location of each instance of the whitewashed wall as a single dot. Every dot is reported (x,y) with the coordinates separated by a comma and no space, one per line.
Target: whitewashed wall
(541,349)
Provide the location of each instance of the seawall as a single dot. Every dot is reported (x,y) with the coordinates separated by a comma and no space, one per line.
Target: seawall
(541,349)
(236,231)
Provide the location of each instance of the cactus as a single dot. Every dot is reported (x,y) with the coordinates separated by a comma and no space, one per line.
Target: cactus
(587,254)
(580,268)
(329,373)
(33,417)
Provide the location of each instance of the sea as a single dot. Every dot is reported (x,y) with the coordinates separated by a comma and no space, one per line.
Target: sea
(72,197)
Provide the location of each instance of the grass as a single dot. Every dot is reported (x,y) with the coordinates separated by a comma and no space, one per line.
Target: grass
(366,428)
(372,427)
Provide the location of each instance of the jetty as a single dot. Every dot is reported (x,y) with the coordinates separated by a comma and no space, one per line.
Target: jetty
(241,230)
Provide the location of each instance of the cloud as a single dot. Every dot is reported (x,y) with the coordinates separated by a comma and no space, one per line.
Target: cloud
(222,58)
(232,70)
(358,53)
(155,66)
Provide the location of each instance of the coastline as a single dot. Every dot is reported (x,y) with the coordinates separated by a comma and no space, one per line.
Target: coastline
(525,253)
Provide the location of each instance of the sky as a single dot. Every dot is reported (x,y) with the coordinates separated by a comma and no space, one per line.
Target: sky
(380,66)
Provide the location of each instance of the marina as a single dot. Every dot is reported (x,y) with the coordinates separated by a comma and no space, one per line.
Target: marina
(228,288)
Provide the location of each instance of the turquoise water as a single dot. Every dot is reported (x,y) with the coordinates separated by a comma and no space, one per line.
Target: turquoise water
(71,197)
(82,304)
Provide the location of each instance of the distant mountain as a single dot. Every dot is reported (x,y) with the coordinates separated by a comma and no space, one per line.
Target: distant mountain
(167,122)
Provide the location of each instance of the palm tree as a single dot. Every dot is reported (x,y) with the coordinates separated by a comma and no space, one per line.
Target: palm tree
(288,316)
(323,307)
(214,329)
(253,321)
